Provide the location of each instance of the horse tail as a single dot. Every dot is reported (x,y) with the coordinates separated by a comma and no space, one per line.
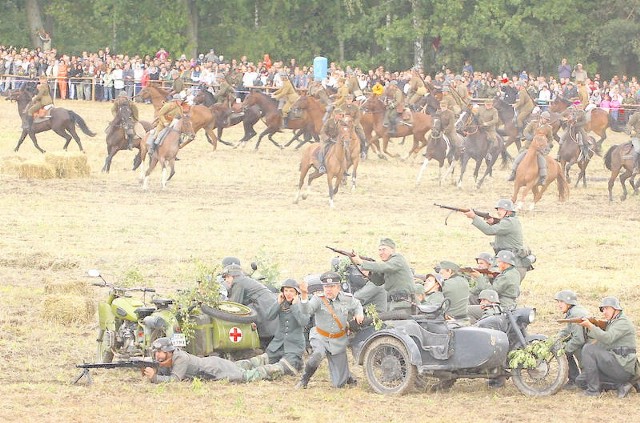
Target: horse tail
(563,186)
(608,156)
(77,119)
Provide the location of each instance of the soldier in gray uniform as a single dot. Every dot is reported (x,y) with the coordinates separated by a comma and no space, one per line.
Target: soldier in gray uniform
(247,291)
(177,365)
(507,232)
(288,344)
(455,288)
(480,281)
(433,290)
(507,283)
(332,310)
(568,305)
(610,362)
(393,273)
(371,293)
(492,318)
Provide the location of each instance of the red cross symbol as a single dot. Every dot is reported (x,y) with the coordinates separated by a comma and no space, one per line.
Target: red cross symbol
(235,334)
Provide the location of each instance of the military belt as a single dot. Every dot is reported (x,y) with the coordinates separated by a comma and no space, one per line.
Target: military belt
(400,297)
(331,335)
(624,351)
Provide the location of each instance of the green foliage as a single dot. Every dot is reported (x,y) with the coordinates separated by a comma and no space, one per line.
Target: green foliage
(267,269)
(537,351)
(132,277)
(371,311)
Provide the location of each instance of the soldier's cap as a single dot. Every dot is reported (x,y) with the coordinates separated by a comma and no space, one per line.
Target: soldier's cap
(545,115)
(290,283)
(232,270)
(436,276)
(449,265)
(420,288)
(387,242)
(230,260)
(163,344)
(490,295)
(610,302)
(506,256)
(506,204)
(488,257)
(330,278)
(567,296)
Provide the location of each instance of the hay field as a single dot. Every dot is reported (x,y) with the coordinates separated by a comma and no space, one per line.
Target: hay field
(239,202)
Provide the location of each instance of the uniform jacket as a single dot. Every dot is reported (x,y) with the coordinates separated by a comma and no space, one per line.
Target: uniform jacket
(456,290)
(435,299)
(187,366)
(286,91)
(290,332)
(508,233)
(524,104)
(252,293)
(371,293)
(575,343)
(536,127)
(620,332)
(394,274)
(507,285)
(169,111)
(43,96)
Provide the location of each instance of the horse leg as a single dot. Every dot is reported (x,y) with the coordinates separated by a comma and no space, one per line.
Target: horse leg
(612,181)
(145,179)
(74,134)
(623,180)
(312,177)
(64,135)
(274,141)
(111,151)
(354,171)
(425,163)
(463,168)
(304,168)
(449,171)
(296,136)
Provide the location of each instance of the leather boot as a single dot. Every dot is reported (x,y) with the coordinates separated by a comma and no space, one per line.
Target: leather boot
(274,371)
(512,177)
(28,122)
(309,371)
(259,360)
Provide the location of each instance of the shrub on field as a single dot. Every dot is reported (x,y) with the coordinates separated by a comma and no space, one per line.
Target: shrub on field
(68,308)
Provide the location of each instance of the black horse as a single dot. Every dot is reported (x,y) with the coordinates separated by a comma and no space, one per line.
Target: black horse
(510,131)
(62,121)
(117,138)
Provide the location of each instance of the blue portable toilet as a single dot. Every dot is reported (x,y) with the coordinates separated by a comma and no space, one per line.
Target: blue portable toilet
(319,68)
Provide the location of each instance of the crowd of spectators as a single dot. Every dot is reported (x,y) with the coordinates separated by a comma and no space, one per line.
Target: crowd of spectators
(102,75)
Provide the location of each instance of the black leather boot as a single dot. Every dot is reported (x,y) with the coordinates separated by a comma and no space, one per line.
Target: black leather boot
(309,371)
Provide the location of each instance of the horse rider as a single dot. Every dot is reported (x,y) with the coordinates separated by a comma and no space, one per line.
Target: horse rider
(448,125)
(353,111)
(523,106)
(286,96)
(395,105)
(461,92)
(576,118)
(341,94)
(452,104)
(488,118)
(317,90)
(225,94)
(417,89)
(123,102)
(40,100)
(353,85)
(169,111)
(328,135)
(541,126)
(177,85)
(633,129)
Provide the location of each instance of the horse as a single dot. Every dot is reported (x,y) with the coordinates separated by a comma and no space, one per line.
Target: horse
(310,119)
(117,139)
(61,121)
(506,113)
(477,146)
(270,114)
(166,152)
(155,94)
(372,121)
(335,162)
(616,158)
(598,120)
(353,155)
(527,175)
(227,117)
(570,153)
(438,148)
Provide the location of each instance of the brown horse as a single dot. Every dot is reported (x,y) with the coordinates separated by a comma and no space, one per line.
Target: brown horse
(335,162)
(372,122)
(166,152)
(155,94)
(308,119)
(62,121)
(619,157)
(117,140)
(509,132)
(270,114)
(527,175)
(598,120)
(438,149)
(570,153)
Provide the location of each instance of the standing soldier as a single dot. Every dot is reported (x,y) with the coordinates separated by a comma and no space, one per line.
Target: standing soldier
(332,310)
(610,362)
(538,126)
(395,105)
(489,120)
(40,100)
(169,111)
(568,305)
(122,102)
(417,89)
(523,106)
(286,96)
(633,129)
(393,272)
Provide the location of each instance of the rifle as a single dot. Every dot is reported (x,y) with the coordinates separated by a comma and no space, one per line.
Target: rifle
(602,324)
(348,254)
(487,272)
(484,215)
(131,364)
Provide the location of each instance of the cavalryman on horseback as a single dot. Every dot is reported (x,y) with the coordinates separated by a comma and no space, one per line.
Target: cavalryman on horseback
(489,120)
(353,111)
(577,120)
(633,129)
(123,102)
(40,100)
(540,126)
(523,106)
(417,89)
(225,94)
(286,96)
(169,111)
(395,106)
(448,125)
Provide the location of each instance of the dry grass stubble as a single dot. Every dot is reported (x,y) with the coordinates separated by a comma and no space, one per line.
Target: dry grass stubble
(240,202)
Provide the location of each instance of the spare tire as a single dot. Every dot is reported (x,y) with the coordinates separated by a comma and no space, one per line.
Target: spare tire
(231,312)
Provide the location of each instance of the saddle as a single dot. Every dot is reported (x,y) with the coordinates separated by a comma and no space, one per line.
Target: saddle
(42,114)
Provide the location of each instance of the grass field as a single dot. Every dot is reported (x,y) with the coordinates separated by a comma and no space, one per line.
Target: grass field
(240,202)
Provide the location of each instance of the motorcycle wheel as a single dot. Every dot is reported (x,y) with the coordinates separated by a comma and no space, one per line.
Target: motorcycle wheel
(105,354)
(231,312)
(387,367)
(545,379)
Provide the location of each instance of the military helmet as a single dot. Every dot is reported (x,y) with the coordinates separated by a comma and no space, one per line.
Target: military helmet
(489,295)
(232,270)
(545,115)
(505,203)
(610,302)
(230,260)
(488,257)
(567,296)
(506,256)
(290,283)
(330,278)
(449,265)
(163,344)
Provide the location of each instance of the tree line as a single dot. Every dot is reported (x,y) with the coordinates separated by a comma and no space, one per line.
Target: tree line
(494,35)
